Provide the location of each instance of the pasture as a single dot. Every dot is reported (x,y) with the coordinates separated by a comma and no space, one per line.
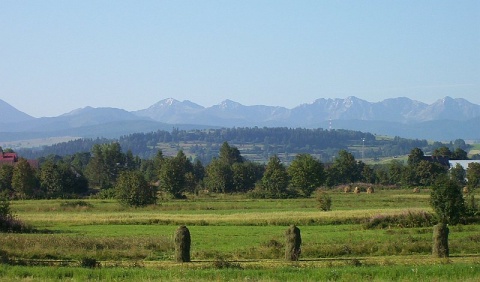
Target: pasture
(235,238)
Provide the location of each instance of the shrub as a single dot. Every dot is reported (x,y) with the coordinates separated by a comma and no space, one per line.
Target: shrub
(133,190)
(8,221)
(324,201)
(106,194)
(89,262)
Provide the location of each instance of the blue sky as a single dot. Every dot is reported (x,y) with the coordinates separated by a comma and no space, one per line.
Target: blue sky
(56,56)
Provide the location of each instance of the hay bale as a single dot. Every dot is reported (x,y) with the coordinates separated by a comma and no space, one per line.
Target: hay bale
(182,244)
(440,241)
(293,241)
(347,189)
(357,190)
(370,190)
(416,190)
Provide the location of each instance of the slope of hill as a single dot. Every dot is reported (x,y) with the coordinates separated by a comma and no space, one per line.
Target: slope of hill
(10,114)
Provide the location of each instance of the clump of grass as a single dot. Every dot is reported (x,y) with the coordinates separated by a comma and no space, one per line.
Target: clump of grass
(406,219)
(76,204)
(221,263)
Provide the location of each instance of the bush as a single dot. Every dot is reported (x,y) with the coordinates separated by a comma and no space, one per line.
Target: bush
(8,221)
(133,190)
(324,201)
(89,263)
(106,194)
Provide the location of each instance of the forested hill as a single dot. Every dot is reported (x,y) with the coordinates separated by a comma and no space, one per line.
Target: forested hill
(254,143)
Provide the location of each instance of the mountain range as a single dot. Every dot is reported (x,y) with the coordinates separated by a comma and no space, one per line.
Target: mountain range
(446,119)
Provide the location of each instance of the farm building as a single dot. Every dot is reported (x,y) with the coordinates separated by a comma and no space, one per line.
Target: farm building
(12,159)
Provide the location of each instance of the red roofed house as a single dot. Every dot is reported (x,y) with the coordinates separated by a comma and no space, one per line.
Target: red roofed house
(12,159)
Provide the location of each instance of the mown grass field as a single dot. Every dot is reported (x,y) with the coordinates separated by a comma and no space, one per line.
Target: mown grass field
(234,238)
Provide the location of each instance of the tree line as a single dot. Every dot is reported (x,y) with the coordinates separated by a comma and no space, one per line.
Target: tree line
(265,142)
(136,181)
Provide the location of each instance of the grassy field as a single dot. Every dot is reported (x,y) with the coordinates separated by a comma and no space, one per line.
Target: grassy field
(234,238)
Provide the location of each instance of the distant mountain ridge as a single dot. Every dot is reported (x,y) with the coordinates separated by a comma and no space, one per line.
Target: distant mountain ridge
(228,113)
(445,119)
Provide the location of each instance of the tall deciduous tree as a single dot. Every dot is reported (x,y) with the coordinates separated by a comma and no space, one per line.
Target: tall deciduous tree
(174,175)
(24,181)
(133,190)
(473,175)
(275,180)
(345,169)
(219,177)
(306,173)
(51,179)
(458,173)
(6,174)
(447,200)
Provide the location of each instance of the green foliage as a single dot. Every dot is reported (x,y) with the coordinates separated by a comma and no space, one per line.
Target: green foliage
(345,169)
(104,194)
(176,175)
(5,210)
(8,222)
(106,164)
(132,190)
(219,177)
(458,174)
(24,181)
(473,175)
(324,200)
(306,173)
(6,174)
(447,200)
(275,180)
(229,154)
(61,180)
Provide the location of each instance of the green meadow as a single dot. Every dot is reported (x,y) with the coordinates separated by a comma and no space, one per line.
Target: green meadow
(236,239)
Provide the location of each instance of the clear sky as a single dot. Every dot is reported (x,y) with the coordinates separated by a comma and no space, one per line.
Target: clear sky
(56,56)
